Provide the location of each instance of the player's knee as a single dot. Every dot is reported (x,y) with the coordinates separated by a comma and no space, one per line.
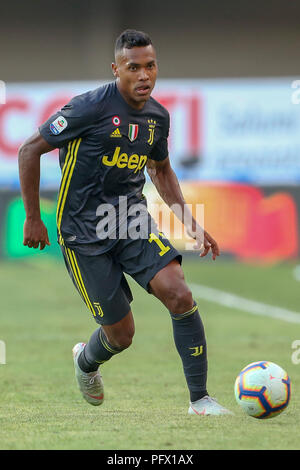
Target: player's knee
(122,340)
(181,300)
(125,341)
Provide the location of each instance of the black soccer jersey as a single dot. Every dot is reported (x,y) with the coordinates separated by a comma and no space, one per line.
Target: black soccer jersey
(104,146)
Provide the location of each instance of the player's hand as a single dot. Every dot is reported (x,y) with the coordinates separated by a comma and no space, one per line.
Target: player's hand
(35,234)
(207,243)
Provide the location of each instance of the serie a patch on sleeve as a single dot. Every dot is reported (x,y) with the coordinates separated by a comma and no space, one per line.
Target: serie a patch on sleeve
(57,126)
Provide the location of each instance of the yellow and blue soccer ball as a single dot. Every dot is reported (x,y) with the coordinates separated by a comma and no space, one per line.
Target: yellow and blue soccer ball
(263,389)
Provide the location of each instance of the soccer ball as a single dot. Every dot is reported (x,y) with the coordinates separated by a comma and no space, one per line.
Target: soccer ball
(262,389)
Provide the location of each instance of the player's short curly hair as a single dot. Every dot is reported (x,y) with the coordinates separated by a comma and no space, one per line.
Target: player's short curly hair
(131,38)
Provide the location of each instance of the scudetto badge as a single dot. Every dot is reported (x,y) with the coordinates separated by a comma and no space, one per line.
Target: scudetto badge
(133,132)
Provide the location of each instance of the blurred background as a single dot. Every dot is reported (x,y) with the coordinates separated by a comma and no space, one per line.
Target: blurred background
(228,75)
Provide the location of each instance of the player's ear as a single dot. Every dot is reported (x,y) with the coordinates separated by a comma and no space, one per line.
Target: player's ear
(114,70)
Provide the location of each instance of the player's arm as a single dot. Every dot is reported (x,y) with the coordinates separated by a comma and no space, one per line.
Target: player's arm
(35,232)
(65,125)
(167,185)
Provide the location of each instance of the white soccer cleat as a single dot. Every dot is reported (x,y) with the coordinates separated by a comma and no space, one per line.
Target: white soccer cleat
(207,406)
(90,384)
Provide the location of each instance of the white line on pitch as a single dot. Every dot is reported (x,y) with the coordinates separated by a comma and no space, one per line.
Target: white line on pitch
(229,300)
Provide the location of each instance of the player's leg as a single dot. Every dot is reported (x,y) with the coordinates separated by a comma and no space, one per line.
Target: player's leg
(104,343)
(120,334)
(103,287)
(155,264)
(169,286)
(107,341)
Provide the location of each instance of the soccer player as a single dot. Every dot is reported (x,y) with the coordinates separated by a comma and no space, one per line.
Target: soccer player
(106,138)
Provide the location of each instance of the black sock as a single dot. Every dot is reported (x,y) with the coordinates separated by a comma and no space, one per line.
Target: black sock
(96,352)
(190,342)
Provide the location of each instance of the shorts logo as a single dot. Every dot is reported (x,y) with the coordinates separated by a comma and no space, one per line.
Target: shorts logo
(57,126)
(133,132)
(99,309)
(122,160)
(116,121)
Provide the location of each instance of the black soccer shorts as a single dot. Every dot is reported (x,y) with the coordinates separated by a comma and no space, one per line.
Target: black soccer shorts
(100,279)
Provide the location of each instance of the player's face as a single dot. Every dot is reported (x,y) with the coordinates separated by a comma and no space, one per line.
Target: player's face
(136,71)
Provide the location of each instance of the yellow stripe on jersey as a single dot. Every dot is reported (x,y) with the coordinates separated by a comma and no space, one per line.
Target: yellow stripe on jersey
(77,274)
(67,171)
(63,179)
(78,279)
(74,274)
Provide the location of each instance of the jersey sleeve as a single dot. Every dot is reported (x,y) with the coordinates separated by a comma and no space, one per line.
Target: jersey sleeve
(72,121)
(160,151)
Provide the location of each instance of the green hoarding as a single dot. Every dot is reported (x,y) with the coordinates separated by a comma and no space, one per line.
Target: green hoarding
(13,228)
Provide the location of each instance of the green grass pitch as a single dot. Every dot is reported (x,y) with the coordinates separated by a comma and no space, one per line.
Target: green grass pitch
(146,401)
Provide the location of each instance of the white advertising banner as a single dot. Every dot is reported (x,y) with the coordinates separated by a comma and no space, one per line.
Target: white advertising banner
(243,130)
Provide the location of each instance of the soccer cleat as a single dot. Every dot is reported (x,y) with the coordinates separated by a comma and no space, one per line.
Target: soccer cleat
(90,384)
(207,406)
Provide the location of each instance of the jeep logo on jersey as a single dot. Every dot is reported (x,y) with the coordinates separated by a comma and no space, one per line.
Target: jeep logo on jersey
(133,162)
